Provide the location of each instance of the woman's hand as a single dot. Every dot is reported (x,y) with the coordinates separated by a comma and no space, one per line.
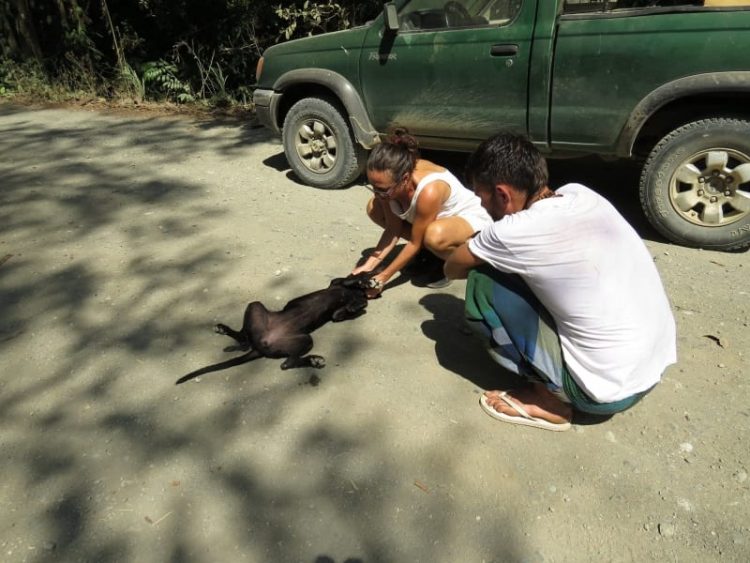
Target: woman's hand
(369,265)
(376,286)
(360,269)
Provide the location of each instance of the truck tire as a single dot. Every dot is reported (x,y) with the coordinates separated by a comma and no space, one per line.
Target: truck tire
(319,145)
(695,185)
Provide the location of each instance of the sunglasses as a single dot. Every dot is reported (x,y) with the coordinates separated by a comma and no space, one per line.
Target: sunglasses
(383,193)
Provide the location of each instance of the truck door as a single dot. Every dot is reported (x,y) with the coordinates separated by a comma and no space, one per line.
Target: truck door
(456,69)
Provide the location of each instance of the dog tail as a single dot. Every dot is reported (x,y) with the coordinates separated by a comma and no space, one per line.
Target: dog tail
(251,355)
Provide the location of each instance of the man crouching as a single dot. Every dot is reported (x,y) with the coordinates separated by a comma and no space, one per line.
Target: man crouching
(565,290)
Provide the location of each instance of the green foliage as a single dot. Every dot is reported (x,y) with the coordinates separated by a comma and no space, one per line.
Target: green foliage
(130,81)
(161,82)
(27,77)
(312,18)
(196,51)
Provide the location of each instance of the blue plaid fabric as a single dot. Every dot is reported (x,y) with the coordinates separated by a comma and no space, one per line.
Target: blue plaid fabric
(523,339)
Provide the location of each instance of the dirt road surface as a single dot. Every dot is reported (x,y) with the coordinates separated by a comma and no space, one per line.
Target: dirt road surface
(124,238)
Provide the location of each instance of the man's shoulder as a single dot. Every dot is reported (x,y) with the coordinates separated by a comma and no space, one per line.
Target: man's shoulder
(575,188)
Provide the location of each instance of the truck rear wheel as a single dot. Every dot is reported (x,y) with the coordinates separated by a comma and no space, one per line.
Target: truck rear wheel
(695,185)
(319,145)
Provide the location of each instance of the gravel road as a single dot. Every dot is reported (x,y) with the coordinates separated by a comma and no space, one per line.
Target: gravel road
(125,236)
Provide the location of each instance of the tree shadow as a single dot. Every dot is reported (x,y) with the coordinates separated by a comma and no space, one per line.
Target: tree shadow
(121,263)
(117,272)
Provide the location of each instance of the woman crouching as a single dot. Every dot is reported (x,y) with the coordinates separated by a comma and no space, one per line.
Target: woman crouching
(419,201)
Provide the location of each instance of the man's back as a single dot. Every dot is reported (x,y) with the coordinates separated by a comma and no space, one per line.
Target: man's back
(590,269)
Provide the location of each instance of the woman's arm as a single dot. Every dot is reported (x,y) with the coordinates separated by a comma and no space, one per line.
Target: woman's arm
(428,205)
(387,241)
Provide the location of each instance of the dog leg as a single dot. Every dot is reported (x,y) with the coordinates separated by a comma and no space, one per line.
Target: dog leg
(349,311)
(309,361)
(294,348)
(255,317)
(238,336)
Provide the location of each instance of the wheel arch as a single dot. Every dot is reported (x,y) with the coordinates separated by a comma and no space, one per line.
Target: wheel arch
(676,103)
(335,88)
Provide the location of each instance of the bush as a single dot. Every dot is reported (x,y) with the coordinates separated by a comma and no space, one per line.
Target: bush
(177,50)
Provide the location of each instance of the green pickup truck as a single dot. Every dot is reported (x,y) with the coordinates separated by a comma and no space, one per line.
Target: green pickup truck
(666,82)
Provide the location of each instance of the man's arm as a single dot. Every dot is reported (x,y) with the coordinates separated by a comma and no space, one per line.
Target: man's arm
(459,263)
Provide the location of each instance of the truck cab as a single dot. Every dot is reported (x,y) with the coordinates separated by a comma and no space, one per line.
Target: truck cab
(666,82)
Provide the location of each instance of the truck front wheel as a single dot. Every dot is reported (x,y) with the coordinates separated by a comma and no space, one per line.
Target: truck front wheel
(695,186)
(319,145)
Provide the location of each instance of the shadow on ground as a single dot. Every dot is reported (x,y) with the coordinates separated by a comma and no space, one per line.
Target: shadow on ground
(103,294)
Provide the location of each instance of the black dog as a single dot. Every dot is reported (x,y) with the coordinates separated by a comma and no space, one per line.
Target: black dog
(286,333)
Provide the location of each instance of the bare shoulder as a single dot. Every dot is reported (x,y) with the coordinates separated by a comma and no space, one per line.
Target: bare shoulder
(425,167)
(433,194)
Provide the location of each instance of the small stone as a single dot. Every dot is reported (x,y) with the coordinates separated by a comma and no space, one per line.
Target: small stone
(741,476)
(610,437)
(277,273)
(686,447)
(666,529)
(722,366)
(49,546)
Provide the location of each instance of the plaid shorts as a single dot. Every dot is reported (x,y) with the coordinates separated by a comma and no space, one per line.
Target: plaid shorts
(522,337)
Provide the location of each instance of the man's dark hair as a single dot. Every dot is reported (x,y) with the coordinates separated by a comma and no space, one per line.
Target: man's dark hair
(510,159)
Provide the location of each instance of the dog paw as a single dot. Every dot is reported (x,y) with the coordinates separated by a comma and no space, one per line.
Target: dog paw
(221,329)
(317,361)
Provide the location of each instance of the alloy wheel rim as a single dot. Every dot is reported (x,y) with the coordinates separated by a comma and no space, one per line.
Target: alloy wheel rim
(316,146)
(711,188)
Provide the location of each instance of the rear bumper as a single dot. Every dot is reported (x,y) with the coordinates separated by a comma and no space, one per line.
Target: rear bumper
(266,108)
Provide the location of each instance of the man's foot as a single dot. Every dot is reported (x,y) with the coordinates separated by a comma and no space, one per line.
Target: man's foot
(534,406)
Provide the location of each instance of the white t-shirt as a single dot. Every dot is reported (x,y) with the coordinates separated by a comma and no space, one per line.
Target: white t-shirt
(593,273)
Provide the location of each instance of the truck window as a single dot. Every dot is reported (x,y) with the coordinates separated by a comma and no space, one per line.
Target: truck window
(420,15)
(579,6)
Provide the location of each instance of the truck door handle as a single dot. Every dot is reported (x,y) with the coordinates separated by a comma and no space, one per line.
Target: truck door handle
(504,50)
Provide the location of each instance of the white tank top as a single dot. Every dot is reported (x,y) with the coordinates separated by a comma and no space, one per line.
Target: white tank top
(461,202)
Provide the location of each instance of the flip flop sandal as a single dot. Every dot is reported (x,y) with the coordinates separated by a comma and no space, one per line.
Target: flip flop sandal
(524,418)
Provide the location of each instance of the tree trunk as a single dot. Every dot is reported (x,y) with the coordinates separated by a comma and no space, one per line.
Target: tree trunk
(8,43)
(25,31)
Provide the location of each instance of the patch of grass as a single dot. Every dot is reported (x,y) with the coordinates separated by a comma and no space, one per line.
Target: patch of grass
(29,83)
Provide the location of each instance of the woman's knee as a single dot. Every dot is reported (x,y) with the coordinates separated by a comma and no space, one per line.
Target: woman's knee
(435,237)
(375,212)
(444,236)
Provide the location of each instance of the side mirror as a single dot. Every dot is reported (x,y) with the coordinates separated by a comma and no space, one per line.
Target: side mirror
(390,17)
